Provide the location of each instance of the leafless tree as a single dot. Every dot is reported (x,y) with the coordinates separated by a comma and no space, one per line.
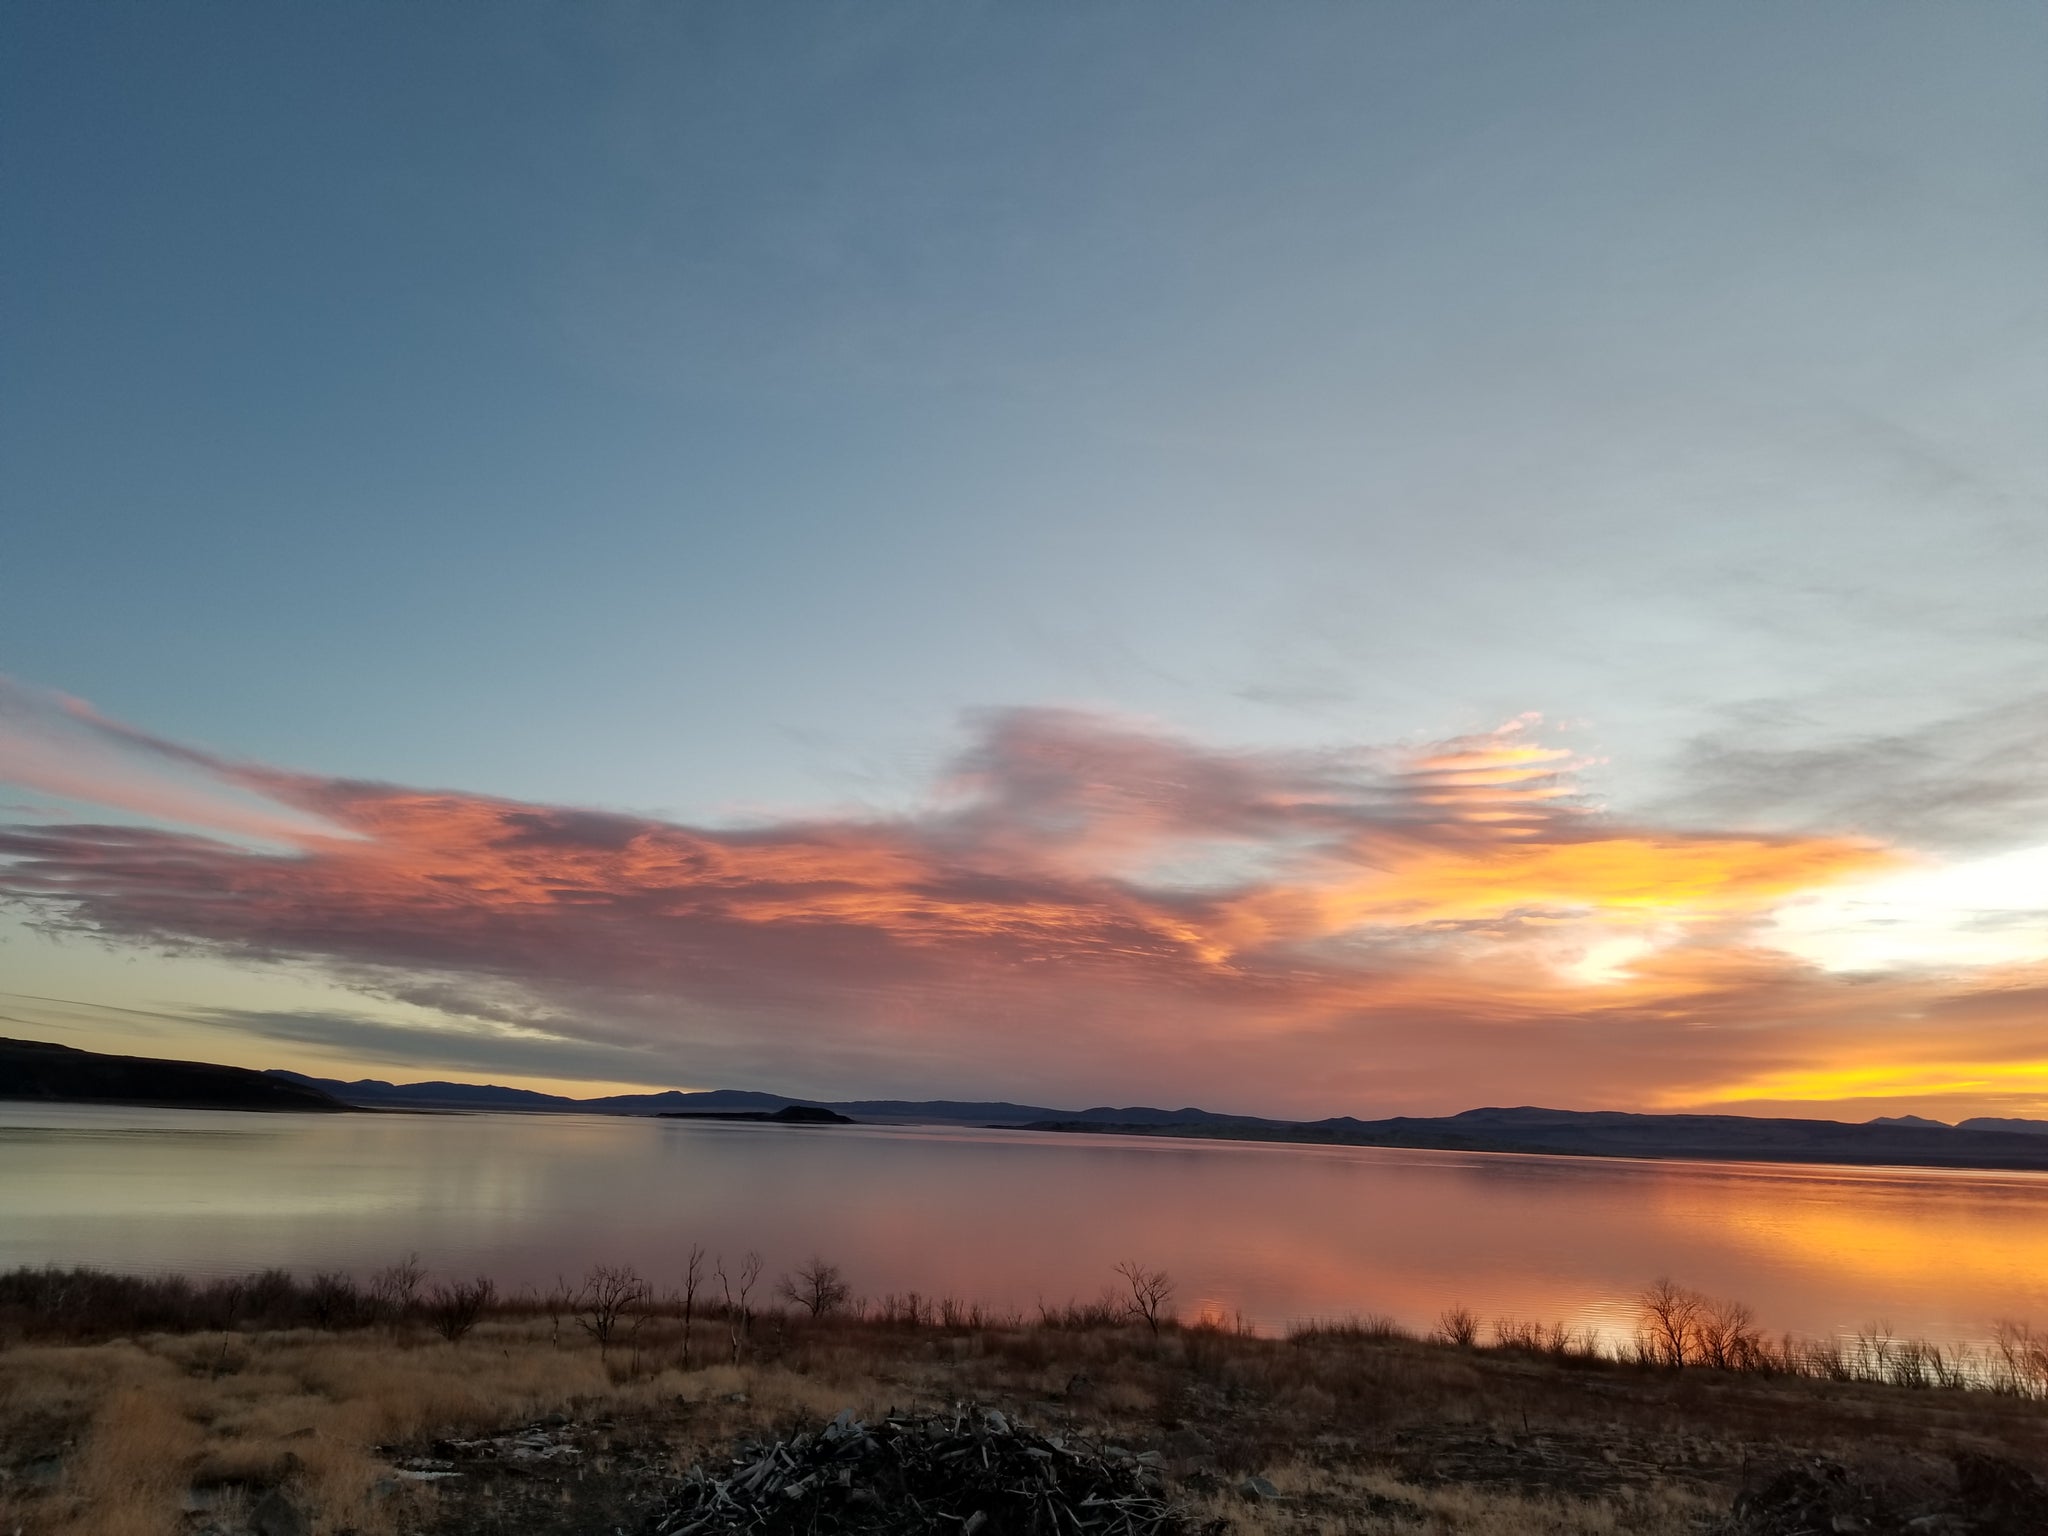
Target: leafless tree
(611,1294)
(1151,1293)
(454,1308)
(817,1287)
(693,1282)
(1668,1318)
(739,1315)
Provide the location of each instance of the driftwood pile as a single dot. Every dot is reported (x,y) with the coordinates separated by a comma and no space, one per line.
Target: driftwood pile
(969,1473)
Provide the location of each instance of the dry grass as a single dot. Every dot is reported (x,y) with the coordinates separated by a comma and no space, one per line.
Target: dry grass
(1361,1429)
(140,1422)
(1319,1501)
(151,1418)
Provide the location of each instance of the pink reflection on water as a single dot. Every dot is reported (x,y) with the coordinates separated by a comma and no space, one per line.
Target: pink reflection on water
(1275,1233)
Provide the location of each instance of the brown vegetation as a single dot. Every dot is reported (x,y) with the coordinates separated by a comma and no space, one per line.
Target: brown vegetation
(125,1402)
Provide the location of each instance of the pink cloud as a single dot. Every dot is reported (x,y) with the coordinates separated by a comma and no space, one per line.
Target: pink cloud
(1342,930)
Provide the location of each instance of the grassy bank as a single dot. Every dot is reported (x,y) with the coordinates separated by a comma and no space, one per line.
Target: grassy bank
(195,1405)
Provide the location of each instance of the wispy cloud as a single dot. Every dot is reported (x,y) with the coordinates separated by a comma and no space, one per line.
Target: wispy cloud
(63,747)
(1083,906)
(1968,780)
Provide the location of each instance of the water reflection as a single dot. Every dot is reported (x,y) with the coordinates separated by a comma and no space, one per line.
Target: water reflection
(1275,1233)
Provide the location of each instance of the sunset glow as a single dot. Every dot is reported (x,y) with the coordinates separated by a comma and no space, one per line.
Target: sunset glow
(1472,879)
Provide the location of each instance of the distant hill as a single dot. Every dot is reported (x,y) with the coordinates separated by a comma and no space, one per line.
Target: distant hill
(1992,1123)
(374,1093)
(1910,1140)
(1580,1133)
(39,1070)
(31,1070)
(371,1092)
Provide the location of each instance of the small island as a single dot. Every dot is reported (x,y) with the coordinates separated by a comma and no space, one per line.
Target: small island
(789,1114)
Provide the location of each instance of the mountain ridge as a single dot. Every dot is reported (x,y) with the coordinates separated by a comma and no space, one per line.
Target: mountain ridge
(1619,1133)
(55,1073)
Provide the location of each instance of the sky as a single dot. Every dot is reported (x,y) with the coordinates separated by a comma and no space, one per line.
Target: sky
(1301,559)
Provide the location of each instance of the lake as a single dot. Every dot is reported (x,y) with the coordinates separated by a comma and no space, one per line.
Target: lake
(1277,1234)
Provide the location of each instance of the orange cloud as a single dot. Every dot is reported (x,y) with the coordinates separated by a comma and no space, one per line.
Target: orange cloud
(1085,906)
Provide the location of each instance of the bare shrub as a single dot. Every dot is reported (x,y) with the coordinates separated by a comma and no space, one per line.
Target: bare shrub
(817,1287)
(1509,1333)
(1725,1337)
(2019,1363)
(1956,1368)
(1151,1296)
(1826,1359)
(1919,1364)
(913,1309)
(1874,1353)
(394,1290)
(271,1297)
(454,1309)
(333,1300)
(1457,1326)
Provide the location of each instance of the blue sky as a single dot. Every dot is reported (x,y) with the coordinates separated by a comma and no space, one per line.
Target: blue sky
(713,412)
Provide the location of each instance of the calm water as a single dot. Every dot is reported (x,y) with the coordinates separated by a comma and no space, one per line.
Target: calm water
(1278,1233)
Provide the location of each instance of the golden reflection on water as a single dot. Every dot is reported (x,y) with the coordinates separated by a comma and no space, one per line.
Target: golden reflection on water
(1979,1232)
(1274,1233)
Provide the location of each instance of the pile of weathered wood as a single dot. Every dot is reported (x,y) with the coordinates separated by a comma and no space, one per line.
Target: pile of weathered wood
(974,1472)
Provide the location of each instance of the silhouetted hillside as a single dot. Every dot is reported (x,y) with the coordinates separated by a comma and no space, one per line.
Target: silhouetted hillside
(375,1093)
(372,1092)
(1994,1123)
(36,1069)
(1577,1133)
